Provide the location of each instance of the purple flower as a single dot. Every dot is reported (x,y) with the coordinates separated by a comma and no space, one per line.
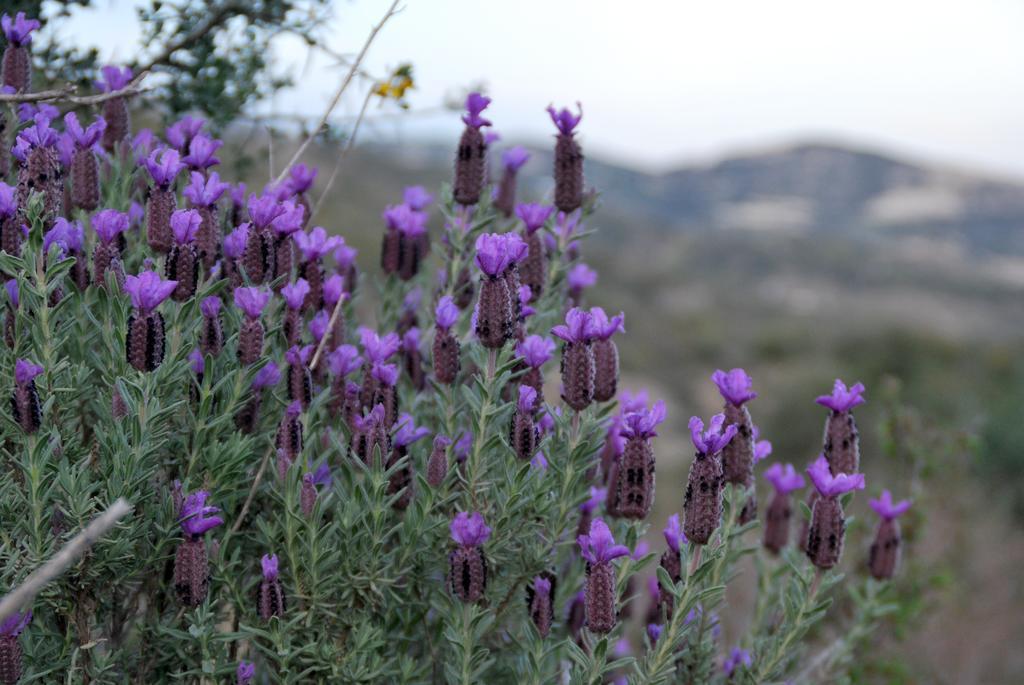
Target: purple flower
(411,340)
(603,327)
(597,498)
(196,517)
(525,295)
(564,119)
(491,137)
(737,658)
(578,327)
(267,377)
(653,632)
(734,386)
(269,564)
(290,220)
(185,225)
(24,371)
(318,324)
(148,290)
(202,150)
(514,158)
(630,402)
(204,192)
(11,286)
(39,134)
(252,300)
(385,373)
(599,546)
(113,78)
(8,201)
(15,623)
(314,244)
(245,673)
(295,293)
(475,104)
(446,313)
(344,255)
(334,290)
(136,214)
(842,399)
(495,252)
(714,438)
(469,529)
(829,485)
(371,420)
(301,178)
(885,507)
(30,112)
(408,432)
(405,219)
(143,143)
(66,150)
(164,165)
(210,306)
(581,277)
(784,478)
(377,349)
(533,215)
(181,132)
(527,398)
(234,242)
(84,138)
(417,198)
(539,462)
(762,448)
(641,424)
(108,223)
(264,209)
(196,361)
(298,356)
(674,536)
(68,236)
(343,360)
(463,446)
(19,30)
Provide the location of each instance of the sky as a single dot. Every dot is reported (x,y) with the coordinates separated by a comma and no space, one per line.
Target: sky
(666,83)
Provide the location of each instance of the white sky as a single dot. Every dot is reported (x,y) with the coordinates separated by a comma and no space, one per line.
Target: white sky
(668,82)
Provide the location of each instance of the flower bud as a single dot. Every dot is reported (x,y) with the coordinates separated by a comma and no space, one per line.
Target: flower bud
(250,341)
(270,599)
(144,344)
(307,495)
(160,204)
(85,180)
(568,161)
(289,432)
(470,164)
(825,533)
(842,441)
(600,611)
(702,503)
(437,463)
(467,566)
(115,113)
(10,648)
(540,602)
(523,434)
(191,572)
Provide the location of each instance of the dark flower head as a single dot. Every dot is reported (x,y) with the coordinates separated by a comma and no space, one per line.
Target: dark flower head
(202,150)
(301,178)
(475,104)
(527,399)
(829,485)
(136,213)
(210,306)
(114,78)
(446,313)
(315,244)
(641,424)
(293,409)
(148,290)
(196,517)
(843,399)
(514,158)
(269,564)
(734,386)
(597,498)
(385,373)
(197,362)
(533,215)
(298,355)
(68,236)
(267,377)
(295,293)
(783,478)
(164,165)
(8,201)
(234,242)
(181,132)
(252,300)
(469,530)
(15,623)
(25,371)
(578,327)
(604,328)
(417,198)
(204,192)
(377,349)
(886,508)
(581,277)
(185,225)
(599,546)
(495,252)
(715,437)
(108,223)
(408,432)
(19,29)
(84,138)
(344,360)
(564,120)
(674,536)
(245,673)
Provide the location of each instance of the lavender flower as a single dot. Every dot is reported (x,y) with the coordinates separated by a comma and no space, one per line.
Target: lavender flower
(25,404)
(245,673)
(470,160)
(884,558)
(579,278)
(512,160)
(17,66)
(785,480)
(824,544)
(251,301)
(540,602)
(164,165)
(702,503)
(606,354)
(417,198)
(738,658)
(191,566)
(270,600)
(202,152)
(842,440)
(598,548)
(211,333)
(568,160)
(180,133)
(578,366)
(671,562)
(144,343)
(467,576)
(19,29)
(437,463)
(523,434)
(10,648)
(631,481)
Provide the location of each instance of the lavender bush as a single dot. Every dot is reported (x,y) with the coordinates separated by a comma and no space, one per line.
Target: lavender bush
(403,497)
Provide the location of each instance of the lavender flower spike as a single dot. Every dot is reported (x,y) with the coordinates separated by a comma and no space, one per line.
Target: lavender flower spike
(829,485)
(843,399)
(197,517)
(245,673)
(475,105)
(10,648)
(713,439)
(734,386)
(884,557)
(568,169)
(148,290)
(674,536)
(599,546)
(19,29)
(824,542)
(25,371)
(783,478)
(887,509)
(842,440)
(252,300)
(469,529)
(470,159)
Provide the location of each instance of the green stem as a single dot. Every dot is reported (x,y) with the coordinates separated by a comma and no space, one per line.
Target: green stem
(768,665)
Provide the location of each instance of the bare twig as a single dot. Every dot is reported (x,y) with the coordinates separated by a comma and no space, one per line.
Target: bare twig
(353,70)
(68,554)
(67,94)
(211,22)
(252,490)
(335,313)
(341,157)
